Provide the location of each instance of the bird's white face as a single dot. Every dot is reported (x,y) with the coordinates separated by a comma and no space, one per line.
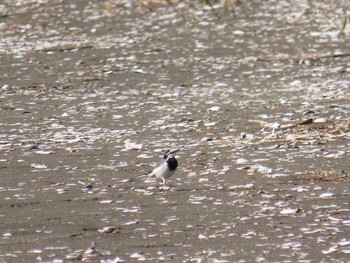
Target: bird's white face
(171,153)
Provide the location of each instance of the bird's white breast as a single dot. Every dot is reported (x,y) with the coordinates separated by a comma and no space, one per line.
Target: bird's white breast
(162,171)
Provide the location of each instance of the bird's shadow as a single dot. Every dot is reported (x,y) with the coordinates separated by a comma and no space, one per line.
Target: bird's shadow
(166,188)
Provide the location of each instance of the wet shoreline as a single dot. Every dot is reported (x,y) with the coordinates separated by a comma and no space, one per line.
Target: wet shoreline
(262,113)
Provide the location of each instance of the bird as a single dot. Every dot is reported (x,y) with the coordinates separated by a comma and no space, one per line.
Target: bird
(167,167)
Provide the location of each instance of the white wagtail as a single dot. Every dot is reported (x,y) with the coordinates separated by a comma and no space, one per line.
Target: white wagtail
(167,167)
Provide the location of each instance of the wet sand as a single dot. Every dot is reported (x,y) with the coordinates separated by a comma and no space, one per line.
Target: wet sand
(259,100)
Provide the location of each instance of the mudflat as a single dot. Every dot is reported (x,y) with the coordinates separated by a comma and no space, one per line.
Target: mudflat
(93,92)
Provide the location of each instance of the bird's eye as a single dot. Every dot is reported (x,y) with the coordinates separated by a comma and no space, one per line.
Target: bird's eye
(166,154)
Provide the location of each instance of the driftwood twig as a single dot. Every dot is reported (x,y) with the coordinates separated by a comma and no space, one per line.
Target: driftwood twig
(301,58)
(303,122)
